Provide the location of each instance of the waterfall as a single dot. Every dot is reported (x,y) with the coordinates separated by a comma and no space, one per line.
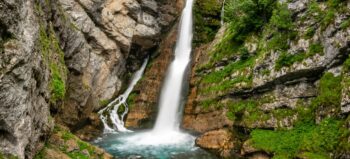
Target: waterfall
(171,93)
(111,110)
(222,12)
(166,130)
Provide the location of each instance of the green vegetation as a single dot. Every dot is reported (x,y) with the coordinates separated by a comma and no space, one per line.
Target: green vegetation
(104,102)
(206,20)
(329,92)
(282,18)
(246,16)
(310,33)
(325,16)
(54,58)
(67,135)
(280,28)
(307,138)
(304,137)
(247,111)
(59,144)
(4,156)
(286,59)
(273,29)
(345,24)
(131,99)
(346,65)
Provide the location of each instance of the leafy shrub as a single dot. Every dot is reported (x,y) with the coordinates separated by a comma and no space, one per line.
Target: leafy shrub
(282,18)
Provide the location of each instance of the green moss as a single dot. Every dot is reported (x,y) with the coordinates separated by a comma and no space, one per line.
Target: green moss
(314,11)
(54,58)
(310,155)
(132,99)
(282,18)
(67,135)
(84,145)
(217,76)
(41,154)
(57,85)
(346,65)
(206,20)
(310,33)
(77,155)
(221,80)
(281,114)
(211,103)
(329,92)
(279,41)
(286,59)
(305,137)
(240,107)
(5,156)
(104,102)
(326,16)
(345,24)
(314,49)
(266,72)
(329,17)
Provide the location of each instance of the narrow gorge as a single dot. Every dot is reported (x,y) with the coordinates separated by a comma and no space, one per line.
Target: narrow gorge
(196,79)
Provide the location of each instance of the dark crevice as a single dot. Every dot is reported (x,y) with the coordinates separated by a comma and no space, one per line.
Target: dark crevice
(5,35)
(5,134)
(309,75)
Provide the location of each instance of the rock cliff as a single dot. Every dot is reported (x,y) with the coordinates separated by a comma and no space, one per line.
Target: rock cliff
(275,75)
(61,61)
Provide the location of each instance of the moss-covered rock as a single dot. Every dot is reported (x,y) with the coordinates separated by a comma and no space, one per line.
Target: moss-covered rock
(206,20)
(280,73)
(64,145)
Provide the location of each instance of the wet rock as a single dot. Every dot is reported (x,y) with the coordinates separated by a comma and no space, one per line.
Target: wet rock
(203,122)
(72,145)
(259,156)
(54,154)
(220,141)
(143,108)
(247,148)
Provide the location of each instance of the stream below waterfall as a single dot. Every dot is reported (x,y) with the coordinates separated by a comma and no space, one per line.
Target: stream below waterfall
(165,140)
(131,146)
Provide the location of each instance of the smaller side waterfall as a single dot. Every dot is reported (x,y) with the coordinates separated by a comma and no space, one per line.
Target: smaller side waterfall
(111,110)
(222,12)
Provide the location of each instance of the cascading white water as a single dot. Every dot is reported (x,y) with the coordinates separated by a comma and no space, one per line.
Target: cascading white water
(166,130)
(112,108)
(222,12)
(170,98)
(165,140)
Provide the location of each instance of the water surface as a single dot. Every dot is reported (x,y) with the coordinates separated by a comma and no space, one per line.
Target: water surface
(147,145)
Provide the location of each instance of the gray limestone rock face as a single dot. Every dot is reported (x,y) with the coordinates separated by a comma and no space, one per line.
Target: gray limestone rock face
(105,34)
(24,92)
(97,38)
